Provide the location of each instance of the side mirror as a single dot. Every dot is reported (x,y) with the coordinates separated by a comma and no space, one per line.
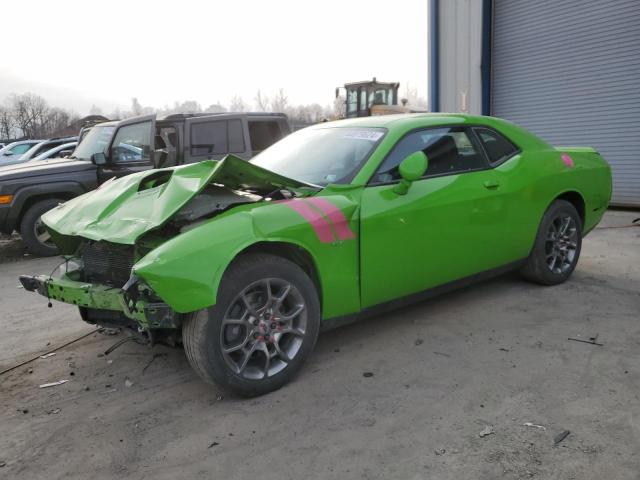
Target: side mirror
(99,158)
(411,169)
(65,153)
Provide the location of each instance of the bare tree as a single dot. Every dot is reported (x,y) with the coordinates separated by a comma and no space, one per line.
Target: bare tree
(262,102)
(56,121)
(339,107)
(237,104)
(413,100)
(279,103)
(29,112)
(6,124)
(215,108)
(136,108)
(95,110)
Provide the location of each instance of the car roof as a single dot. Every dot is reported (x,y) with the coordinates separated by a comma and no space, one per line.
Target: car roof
(55,150)
(60,139)
(405,122)
(409,119)
(184,116)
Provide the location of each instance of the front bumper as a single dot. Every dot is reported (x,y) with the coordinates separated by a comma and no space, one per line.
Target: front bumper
(130,300)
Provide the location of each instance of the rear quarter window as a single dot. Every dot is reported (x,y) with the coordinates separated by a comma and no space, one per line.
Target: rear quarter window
(496,146)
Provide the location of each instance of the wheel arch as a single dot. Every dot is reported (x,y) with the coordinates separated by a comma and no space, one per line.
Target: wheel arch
(576,199)
(293,252)
(26,197)
(31,201)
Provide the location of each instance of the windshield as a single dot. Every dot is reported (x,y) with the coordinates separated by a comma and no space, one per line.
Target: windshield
(96,141)
(321,155)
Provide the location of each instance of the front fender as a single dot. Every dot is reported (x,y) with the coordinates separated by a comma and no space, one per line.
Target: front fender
(186,270)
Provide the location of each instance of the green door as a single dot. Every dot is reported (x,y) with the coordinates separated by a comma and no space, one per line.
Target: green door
(451,224)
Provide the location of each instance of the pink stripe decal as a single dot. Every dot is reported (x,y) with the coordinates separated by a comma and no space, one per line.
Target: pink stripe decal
(315,219)
(568,161)
(335,216)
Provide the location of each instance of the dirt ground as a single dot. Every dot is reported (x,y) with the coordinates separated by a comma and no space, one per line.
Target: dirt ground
(492,355)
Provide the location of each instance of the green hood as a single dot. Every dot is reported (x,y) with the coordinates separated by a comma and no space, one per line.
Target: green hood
(121,210)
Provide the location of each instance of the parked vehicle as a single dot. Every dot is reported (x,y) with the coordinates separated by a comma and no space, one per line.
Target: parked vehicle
(38,149)
(15,150)
(243,262)
(119,148)
(61,151)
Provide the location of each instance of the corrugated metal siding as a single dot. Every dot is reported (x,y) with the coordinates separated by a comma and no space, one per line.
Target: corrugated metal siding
(569,71)
(460,56)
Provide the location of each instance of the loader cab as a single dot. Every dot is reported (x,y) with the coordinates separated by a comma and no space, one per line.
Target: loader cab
(364,99)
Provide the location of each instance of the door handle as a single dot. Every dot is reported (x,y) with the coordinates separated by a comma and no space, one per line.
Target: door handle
(491,184)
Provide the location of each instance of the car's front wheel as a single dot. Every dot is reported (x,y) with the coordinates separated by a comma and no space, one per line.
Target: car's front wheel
(264,325)
(557,246)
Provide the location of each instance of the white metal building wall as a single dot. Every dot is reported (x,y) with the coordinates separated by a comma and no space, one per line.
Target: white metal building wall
(569,71)
(460,44)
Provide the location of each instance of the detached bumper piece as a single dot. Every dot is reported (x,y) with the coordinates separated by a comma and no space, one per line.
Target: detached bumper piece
(132,300)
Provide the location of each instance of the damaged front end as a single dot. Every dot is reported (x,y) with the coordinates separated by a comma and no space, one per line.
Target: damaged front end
(105,233)
(100,283)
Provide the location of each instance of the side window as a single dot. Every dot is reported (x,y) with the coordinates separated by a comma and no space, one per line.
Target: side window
(363,99)
(450,150)
(263,134)
(495,145)
(209,138)
(22,148)
(132,143)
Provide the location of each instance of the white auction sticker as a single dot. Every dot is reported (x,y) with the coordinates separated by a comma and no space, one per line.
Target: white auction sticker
(364,134)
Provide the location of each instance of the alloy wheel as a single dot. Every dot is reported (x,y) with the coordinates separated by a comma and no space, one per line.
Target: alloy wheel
(263,328)
(561,244)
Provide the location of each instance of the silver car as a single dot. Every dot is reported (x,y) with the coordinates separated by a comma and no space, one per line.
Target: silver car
(39,148)
(60,151)
(15,150)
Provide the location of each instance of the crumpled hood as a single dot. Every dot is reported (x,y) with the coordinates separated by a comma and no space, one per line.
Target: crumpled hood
(121,210)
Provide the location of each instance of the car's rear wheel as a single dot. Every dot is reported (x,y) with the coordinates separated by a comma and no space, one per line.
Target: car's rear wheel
(33,231)
(264,325)
(557,247)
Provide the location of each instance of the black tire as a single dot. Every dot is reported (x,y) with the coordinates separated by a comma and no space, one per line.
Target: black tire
(30,224)
(555,253)
(206,333)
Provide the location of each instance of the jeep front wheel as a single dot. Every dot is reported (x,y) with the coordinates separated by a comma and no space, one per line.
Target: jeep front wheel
(262,328)
(34,233)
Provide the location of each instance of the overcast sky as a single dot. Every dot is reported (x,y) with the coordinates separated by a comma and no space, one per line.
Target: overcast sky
(77,53)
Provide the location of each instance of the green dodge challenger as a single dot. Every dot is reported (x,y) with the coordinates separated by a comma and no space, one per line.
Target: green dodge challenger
(244,262)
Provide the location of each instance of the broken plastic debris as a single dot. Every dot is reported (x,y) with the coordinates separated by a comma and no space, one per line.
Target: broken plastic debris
(47,355)
(529,424)
(53,384)
(488,430)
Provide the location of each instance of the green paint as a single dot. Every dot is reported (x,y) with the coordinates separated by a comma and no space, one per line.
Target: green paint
(435,231)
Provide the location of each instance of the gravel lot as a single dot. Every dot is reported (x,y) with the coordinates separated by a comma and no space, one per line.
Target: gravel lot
(490,357)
